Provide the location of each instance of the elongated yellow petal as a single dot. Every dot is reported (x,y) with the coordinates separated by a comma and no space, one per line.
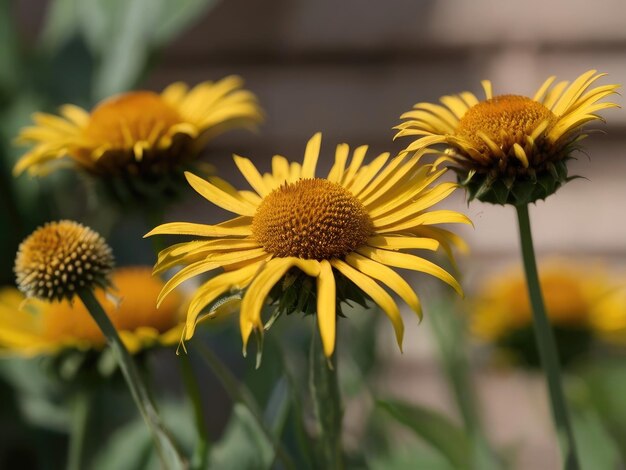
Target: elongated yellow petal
(183,275)
(387,276)
(326,303)
(252,175)
(366,173)
(355,163)
(200,230)
(407,261)
(220,197)
(377,294)
(256,294)
(310,156)
(213,288)
(280,168)
(399,242)
(341,157)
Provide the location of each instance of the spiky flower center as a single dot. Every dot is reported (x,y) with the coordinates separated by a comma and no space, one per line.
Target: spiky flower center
(122,121)
(505,119)
(61,257)
(311,219)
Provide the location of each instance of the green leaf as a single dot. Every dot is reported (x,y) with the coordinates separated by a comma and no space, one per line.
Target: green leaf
(61,24)
(433,428)
(244,445)
(597,449)
(124,34)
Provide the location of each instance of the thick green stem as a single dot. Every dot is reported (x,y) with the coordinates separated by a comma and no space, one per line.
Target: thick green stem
(164,445)
(546,345)
(80,417)
(324,386)
(200,457)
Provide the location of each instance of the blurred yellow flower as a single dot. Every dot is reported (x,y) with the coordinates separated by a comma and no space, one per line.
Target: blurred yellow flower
(353,223)
(578,298)
(139,132)
(35,327)
(510,149)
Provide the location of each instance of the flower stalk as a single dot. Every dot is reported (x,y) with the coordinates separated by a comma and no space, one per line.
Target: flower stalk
(324,387)
(200,457)
(78,428)
(546,345)
(165,447)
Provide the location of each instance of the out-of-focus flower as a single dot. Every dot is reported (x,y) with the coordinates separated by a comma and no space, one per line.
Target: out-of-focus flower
(61,257)
(36,327)
(140,134)
(510,149)
(581,303)
(351,225)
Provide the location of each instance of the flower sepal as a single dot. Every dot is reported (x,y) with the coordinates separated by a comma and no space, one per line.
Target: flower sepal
(516,190)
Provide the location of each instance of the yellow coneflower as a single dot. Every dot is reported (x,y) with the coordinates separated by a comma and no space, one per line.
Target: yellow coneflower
(579,302)
(37,327)
(353,224)
(139,132)
(510,149)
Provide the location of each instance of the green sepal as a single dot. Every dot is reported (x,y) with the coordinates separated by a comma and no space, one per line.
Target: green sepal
(516,190)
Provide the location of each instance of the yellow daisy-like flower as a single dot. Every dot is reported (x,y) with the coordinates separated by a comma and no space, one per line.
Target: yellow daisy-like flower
(139,133)
(510,149)
(354,224)
(580,303)
(36,327)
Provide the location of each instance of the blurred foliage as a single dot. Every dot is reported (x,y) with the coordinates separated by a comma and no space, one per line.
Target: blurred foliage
(88,49)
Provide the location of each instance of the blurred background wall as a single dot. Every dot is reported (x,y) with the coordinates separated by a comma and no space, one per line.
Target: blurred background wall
(350,69)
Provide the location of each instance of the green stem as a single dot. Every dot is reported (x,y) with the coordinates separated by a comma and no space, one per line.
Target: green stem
(324,386)
(200,458)
(240,393)
(164,445)
(80,417)
(546,345)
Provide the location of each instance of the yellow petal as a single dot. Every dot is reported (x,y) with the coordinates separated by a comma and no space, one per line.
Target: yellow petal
(407,261)
(252,175)
(326,302)
(377,294)
(395,242)
(199,230)
(388,277)
(310,156)
(220,197)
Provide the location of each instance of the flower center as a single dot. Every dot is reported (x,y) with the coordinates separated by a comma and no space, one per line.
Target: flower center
(311,219)
(123,120)
(61,257)
(505,119)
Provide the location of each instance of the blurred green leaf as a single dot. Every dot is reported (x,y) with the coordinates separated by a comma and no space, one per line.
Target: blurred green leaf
(596,447)
(413,459)
(9,60)
(244,445)
(61,24)
(39,398)
(124,33)
(434,429)
(132,447)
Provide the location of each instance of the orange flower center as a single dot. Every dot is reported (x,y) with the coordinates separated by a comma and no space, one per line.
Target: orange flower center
(505,119)
(123,120)
(311,219)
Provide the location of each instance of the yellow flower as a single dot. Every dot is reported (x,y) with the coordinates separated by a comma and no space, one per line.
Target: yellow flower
(354,223)
(582,303)
(510,149)
(36,327)
(139,133)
